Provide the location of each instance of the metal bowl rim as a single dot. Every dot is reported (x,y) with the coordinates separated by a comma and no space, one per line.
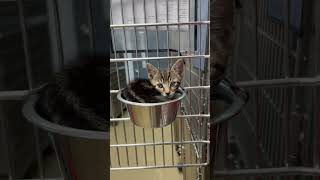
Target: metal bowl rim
(149,104)
(33,117)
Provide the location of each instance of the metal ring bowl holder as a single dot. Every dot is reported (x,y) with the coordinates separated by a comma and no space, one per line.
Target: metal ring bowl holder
(153,115)
(84,153)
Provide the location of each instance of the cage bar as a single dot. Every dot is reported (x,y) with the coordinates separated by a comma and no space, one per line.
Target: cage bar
(157,140)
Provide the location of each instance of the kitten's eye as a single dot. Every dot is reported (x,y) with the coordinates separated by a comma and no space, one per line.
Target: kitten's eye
(174,84)
(160,85)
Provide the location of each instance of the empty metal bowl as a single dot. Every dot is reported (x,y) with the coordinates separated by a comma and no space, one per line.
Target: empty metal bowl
(153,115)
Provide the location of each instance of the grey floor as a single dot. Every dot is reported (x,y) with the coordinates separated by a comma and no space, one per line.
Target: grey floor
(138,156)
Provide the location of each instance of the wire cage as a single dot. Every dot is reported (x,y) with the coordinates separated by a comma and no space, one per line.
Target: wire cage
(160,32)
(277,61)
(32,48)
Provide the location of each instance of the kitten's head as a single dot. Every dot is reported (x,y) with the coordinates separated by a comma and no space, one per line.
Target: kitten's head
(167,81)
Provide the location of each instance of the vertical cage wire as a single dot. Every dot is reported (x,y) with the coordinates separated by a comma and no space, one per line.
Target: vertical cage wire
(31,83)
(278,135)
(160,32)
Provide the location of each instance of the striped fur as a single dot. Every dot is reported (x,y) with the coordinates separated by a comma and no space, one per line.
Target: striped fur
(160,86)
(168,81)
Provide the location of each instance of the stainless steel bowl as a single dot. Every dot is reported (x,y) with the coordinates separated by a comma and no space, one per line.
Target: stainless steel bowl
(153,115)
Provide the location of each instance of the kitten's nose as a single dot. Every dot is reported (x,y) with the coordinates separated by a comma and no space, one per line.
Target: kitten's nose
(167,94)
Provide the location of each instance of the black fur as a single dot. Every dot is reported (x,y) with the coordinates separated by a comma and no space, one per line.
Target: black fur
(77,96)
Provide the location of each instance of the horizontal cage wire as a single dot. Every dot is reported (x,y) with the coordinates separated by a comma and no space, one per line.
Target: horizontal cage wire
(278,130)
(160,32)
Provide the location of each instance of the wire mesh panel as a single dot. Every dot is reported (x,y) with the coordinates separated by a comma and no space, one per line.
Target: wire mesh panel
(275,59)
(160,32)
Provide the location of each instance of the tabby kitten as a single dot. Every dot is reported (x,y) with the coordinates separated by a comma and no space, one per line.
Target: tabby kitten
(159,87)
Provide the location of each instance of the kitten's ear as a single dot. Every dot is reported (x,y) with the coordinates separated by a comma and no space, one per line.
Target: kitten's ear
(151,70)
(178,66)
